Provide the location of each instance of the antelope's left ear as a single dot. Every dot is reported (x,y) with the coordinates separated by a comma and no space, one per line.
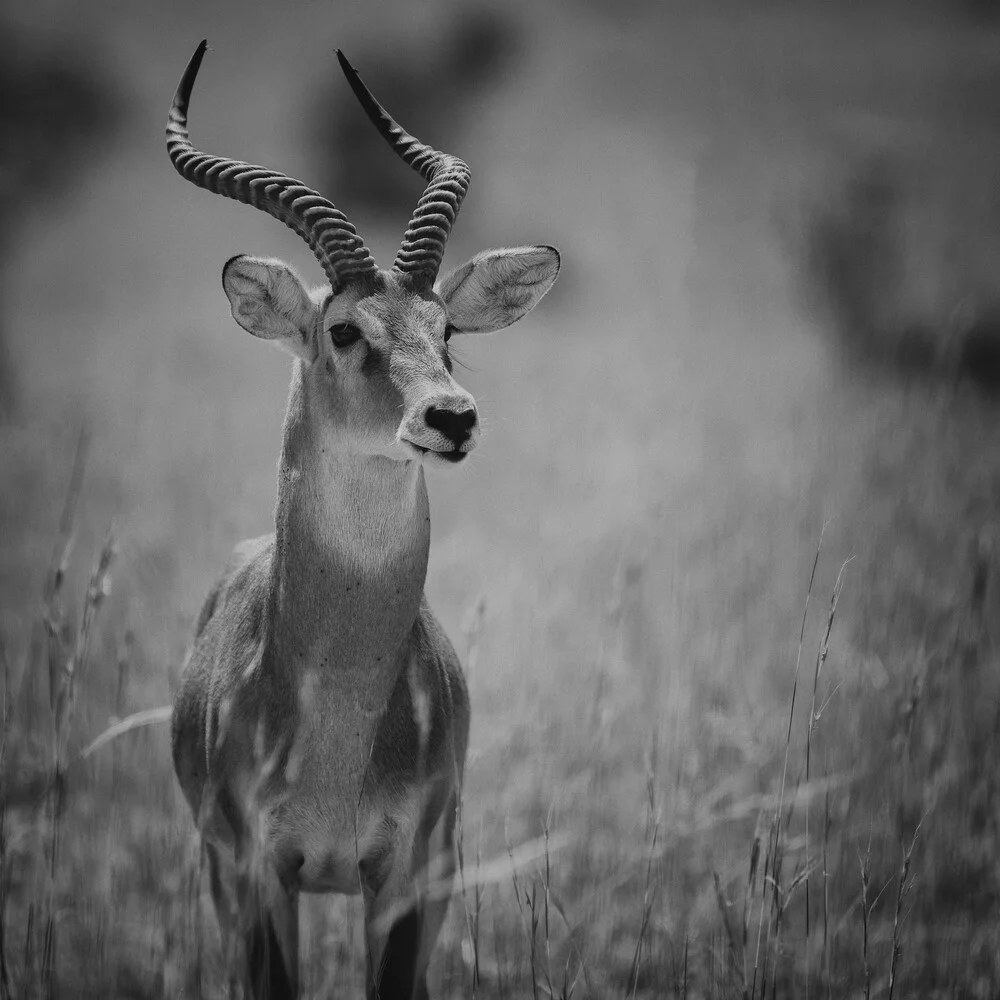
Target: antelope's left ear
(497,287)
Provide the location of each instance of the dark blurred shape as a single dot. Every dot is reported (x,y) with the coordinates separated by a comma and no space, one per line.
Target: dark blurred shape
(431,89)
(58,110)
(983,10)
(853,265)
(982,556)
(893,263)
(978,359)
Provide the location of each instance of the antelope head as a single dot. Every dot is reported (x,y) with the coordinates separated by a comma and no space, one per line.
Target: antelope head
(374,342)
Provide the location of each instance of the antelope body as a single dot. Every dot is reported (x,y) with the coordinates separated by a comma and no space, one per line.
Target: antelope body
(321,724)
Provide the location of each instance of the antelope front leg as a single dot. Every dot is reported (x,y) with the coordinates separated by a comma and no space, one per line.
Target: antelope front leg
(405,906)
(439,870)
(394,915)
(269,920)
(222,878)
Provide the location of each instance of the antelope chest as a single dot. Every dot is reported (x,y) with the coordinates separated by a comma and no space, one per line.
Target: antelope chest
(339,786)
(326,826)
(339,801)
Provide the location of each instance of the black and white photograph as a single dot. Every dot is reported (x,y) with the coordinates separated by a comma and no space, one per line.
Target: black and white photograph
(500,501)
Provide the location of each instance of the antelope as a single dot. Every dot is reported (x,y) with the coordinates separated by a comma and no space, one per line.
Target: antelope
(320,728)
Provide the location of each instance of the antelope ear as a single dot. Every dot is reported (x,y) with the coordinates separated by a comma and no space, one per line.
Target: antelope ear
(497,287)
(269,300)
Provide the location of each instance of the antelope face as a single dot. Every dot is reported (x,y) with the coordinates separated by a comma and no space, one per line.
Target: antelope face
(376,354)
(385,357)
(375,342)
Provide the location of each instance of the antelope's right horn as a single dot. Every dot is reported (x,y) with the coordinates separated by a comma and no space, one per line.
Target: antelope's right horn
(334,241)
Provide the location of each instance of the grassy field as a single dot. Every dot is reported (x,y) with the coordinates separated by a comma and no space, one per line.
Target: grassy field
(725,595)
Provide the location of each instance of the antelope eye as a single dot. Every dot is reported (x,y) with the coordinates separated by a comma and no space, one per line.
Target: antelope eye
(344,334)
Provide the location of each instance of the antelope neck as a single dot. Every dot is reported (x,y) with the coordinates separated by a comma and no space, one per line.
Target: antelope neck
(351,545)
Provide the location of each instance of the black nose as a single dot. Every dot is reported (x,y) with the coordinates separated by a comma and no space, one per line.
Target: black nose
(456,427)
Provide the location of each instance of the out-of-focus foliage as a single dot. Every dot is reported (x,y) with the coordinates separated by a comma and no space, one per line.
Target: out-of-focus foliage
(901,261)
(59,110)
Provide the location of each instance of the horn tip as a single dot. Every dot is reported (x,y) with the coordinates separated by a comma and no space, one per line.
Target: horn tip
(194,63)
(186,84)
(345,64)
(199,52)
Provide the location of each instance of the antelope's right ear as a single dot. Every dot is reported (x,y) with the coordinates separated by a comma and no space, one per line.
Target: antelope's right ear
(269,300)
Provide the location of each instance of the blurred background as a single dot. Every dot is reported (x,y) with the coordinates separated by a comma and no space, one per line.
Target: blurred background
(778,319)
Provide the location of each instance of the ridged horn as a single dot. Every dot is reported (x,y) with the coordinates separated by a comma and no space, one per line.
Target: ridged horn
(335,242)
(447,177)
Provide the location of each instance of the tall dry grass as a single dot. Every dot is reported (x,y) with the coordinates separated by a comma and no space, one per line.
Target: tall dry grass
(543,917)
